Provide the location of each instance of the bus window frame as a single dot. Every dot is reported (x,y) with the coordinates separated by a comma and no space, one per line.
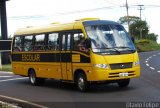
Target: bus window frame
(22,43)
(47,39)
(73,41)
(66,33)
(34,43)
(60,33)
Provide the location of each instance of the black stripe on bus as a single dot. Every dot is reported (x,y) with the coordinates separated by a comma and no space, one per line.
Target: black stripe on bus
(48,57)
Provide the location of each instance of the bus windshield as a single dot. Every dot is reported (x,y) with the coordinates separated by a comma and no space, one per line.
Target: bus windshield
(109,39)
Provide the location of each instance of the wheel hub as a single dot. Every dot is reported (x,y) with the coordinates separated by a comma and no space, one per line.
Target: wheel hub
(81,83)
(32,78)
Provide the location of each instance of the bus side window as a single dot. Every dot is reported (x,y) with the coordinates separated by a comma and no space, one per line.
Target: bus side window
(28,43)
(66,41)
(69,42)
(53,42)
(63,42)
(79,42)
(17,47)
(39,42)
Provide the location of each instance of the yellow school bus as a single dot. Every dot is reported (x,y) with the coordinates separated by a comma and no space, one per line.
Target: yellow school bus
(85,51)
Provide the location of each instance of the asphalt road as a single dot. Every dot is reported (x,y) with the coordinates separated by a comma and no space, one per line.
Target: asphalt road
(143,91)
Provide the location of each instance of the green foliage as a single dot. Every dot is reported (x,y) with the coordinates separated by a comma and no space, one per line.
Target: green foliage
(152,37)
(132,19)
(6,67)
(139,29)
(147,45)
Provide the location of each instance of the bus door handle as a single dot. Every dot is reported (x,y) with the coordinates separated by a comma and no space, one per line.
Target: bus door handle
(68,70)
(58,70)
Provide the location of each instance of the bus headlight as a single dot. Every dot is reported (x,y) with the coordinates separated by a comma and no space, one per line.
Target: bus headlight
(136,63)
(104,66)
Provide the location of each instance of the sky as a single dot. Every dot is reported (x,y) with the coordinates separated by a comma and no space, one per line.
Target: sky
(23,13)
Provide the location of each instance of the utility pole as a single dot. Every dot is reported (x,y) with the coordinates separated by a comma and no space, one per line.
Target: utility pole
(3,19)
(127,8)
(140,9)
(127,15)
(3,30)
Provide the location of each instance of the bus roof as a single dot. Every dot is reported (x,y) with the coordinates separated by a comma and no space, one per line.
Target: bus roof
(78,24)
(44,29)
(99,22)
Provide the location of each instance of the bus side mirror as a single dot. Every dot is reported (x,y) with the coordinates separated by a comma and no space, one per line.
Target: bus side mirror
(88,43)
(57,40)
(132,38)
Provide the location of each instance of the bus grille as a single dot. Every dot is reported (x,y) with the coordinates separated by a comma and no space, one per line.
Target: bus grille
(117,74)
(121,66)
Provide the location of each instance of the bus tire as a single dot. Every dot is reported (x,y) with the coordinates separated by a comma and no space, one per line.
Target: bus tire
(81,82)
(124,83)
(34,80)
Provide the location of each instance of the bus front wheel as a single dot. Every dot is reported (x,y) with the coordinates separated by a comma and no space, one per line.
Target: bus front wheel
(81,82)
(34,80)
(124,83)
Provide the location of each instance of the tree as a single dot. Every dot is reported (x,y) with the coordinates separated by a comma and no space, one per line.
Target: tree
(152,37)
(139,29)
(132,19)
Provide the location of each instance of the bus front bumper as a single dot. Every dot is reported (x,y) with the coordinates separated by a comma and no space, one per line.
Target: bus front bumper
(105,75)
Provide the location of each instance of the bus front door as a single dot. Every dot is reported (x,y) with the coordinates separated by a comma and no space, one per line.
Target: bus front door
(66,65)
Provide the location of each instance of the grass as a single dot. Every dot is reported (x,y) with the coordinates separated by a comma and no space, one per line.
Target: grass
(6,67)
(147,45)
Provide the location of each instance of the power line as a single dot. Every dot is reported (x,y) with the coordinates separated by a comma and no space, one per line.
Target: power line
(58,14)
(141,7)
(87,10)
(108,1)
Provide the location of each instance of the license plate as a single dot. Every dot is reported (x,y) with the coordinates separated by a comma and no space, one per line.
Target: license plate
(123,74)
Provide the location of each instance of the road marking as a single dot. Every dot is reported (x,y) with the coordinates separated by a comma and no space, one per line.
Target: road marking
(147,64)
(150,57)
(154,55)
(146,61)
(5,76)
(158,71)
(152,68)
(23,101)
(1,72)
(11,79)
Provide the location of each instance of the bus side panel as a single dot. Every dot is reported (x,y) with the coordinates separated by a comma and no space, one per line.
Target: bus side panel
(64,71)
(42,70)
(69,71)
(48,70)
(19,69)
(85,67)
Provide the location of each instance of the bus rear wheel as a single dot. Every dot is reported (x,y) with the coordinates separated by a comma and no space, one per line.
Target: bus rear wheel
(34,80)
(124,83)
(81,82)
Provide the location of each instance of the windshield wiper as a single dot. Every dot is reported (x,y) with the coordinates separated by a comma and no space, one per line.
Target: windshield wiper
(115,50)
(112,48)
(122,47)
(125,47)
